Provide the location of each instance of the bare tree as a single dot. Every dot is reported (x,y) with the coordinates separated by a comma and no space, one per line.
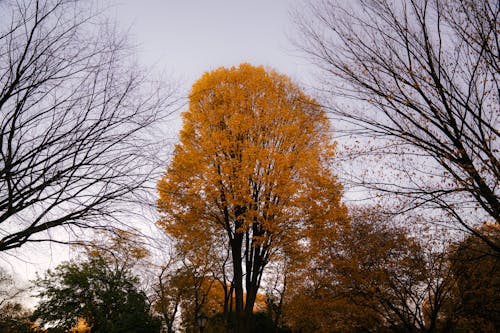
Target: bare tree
(168,297)
(75,120)
(424,77)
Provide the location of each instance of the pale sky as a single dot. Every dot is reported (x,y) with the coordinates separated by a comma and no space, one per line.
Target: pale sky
(185,38)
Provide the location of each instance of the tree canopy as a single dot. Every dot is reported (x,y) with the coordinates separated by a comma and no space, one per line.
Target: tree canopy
(368,276)
(102,293)
(75,116)
(252,168)
(475,301)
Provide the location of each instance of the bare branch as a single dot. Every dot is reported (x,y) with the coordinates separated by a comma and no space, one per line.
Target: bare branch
(423,78)
(76,121)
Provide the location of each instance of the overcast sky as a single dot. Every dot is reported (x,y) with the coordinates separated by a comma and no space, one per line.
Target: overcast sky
(188,37)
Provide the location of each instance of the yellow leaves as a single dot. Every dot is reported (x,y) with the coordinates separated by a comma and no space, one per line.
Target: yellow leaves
(121,246)
(246,123)
(81,327)
(253,161)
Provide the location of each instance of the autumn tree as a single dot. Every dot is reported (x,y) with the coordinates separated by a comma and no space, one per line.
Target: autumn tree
(193,279)
(251,168)
(475,305)
(275,291)
(14,316)
(76,117)
(122,249)
(168,295)
(185,289)
(371,275)
(423,78)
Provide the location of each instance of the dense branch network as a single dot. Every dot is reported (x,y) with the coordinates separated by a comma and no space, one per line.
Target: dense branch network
(424,76)
(73,122)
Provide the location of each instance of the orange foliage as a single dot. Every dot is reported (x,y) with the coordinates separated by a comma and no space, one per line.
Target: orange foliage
(360,278)
(81,327)
(475,305)
(120,248)
(252,168)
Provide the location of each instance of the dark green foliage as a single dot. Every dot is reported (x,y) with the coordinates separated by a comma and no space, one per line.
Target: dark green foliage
(105,295)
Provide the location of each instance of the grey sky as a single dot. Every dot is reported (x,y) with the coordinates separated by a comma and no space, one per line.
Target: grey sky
(188,37)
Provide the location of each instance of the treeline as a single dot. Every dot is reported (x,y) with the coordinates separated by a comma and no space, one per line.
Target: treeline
(373,276)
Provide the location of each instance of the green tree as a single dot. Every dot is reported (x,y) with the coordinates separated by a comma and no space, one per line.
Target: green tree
(107,298)
(252,168)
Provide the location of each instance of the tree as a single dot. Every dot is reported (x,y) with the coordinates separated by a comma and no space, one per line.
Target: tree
(14,317)
(424,79)
(192,279)
(251,168)
(108,299)
(369,277)
(75,121)
(275,291)
(437,292)
(8,292)
(168,297)
(189,291)
(475,305)
(185,292)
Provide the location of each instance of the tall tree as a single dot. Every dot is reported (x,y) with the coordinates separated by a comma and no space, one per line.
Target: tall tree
(423,75)
(251,168)
(75,118)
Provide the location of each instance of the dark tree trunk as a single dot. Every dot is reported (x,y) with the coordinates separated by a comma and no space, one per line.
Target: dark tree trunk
(238,283)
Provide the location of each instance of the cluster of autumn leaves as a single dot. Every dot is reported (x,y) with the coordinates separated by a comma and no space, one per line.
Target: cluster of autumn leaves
(372,276)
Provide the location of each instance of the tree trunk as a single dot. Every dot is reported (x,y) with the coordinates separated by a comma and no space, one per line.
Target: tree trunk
(238,283)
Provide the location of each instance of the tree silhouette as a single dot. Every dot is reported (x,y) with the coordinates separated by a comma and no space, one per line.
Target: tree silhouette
(74,121)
